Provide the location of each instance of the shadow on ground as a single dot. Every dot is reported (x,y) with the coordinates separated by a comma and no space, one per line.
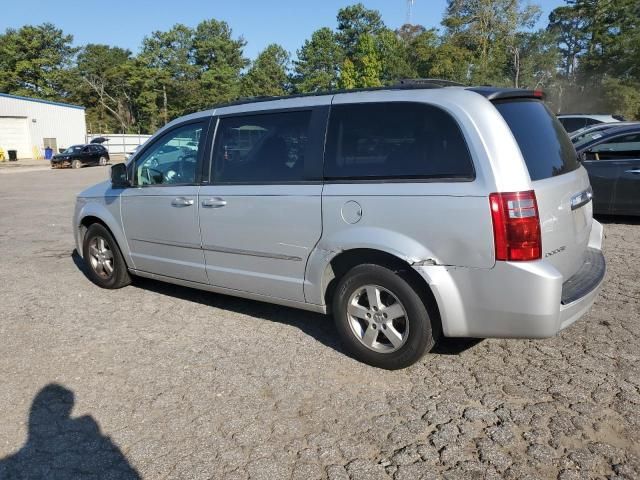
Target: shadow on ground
(62,447)
(318,326)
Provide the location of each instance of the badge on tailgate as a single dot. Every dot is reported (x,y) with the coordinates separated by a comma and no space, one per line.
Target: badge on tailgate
(582,198)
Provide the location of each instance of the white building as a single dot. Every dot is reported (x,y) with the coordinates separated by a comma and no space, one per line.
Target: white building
(28,125)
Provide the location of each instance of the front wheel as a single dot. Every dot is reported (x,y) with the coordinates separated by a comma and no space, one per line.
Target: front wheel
(381,318)
(105,264)
(102,161)
(76,164)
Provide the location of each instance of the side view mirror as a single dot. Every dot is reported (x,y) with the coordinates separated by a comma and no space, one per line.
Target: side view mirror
(119,177)
(582,156)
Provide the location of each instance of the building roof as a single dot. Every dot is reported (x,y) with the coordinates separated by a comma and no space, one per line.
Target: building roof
(38,100)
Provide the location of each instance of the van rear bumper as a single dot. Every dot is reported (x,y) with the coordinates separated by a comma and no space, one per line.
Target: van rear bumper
(516,299)
(580,291)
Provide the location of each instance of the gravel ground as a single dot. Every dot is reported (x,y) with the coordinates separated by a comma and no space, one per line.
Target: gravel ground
(159,381)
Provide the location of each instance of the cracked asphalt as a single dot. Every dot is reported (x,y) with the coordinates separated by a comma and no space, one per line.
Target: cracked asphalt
(157,381)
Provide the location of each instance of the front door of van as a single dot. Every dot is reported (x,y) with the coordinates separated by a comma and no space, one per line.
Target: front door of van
(261,215)
(160,213)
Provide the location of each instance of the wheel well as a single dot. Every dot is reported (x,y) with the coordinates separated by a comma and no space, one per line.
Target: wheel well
(87,222)
(348,259)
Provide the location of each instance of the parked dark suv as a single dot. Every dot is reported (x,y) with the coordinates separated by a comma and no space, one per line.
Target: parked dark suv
(77,156)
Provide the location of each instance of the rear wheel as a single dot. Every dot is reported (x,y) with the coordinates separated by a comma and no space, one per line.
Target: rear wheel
(105,264)
(76,164)
(381,318)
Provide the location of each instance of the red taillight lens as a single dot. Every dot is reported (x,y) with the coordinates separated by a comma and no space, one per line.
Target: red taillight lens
(516,226)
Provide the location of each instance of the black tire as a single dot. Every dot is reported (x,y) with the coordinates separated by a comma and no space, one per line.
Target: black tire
(102,161)
(119,277)
(76,164)
(420,337)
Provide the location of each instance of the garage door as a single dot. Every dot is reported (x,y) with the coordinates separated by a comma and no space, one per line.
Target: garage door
(15,136)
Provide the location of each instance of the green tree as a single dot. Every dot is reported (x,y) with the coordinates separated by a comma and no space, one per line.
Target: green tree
(220,60)
(318,65)
(200,66)
(393,53)
(408,32)
(98,83)
(365,70)
(621,96)
(367,61)
(488,29)
(534,59)
(348,76)
(268,73)
(610,26)
(599,42)
(33,61)
(172,53)
(354,22)
(433,57)
(568,27)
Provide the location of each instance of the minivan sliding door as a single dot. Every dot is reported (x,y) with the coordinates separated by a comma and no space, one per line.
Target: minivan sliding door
(261,215)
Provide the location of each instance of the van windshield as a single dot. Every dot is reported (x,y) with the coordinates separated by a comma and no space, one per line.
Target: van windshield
(544,143)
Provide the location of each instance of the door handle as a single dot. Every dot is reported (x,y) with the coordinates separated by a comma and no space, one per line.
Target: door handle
(634,171)
(182,202)
(215,202)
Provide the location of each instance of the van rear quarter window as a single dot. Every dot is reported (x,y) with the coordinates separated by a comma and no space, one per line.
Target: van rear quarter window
(395,140)
(543,142)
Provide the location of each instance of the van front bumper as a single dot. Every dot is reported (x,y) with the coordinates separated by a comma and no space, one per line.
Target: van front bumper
(516,299)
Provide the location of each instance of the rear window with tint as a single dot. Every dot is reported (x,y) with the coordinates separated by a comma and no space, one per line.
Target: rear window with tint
(544,144)
(395,140)
(572,124)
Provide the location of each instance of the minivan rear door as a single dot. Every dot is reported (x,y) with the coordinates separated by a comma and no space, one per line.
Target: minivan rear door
(561,185)
(261,211)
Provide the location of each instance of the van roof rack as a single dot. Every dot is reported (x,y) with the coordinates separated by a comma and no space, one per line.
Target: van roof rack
(427,83)
(492,93)
(402,84)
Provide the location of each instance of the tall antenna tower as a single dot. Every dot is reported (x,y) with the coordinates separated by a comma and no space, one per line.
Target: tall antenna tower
(409,19)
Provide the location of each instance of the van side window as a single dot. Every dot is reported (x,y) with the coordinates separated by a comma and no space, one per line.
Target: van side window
(619,148)
(261,148)
(571,124)
(395,140)
(172,159)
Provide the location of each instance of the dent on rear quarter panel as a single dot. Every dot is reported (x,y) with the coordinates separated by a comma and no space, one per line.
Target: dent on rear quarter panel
(436,230)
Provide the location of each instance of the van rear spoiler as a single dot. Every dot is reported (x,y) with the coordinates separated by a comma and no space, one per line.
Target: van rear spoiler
(495,93)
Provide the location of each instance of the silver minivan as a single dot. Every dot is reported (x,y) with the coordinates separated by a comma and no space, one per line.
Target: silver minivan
(407,212)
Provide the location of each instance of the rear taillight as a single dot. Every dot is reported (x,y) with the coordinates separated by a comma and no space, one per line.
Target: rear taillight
(516,226)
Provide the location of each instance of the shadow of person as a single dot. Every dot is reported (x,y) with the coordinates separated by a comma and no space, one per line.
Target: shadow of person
(61,447)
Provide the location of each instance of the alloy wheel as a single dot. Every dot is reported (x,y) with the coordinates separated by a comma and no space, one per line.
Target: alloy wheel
(101,257)
(378,319)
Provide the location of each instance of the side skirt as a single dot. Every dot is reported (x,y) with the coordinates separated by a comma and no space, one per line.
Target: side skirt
(235,293)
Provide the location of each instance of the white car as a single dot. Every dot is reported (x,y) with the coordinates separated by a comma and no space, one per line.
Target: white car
(575,121)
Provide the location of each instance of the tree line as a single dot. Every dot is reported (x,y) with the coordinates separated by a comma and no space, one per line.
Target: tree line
(587,59)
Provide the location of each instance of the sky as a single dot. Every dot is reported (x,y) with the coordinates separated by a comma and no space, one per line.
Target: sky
(125,23)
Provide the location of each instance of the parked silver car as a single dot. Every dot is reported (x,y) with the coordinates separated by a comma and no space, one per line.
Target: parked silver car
(408,213)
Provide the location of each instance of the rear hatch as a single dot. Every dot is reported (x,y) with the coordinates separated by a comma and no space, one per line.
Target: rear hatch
(560,183)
